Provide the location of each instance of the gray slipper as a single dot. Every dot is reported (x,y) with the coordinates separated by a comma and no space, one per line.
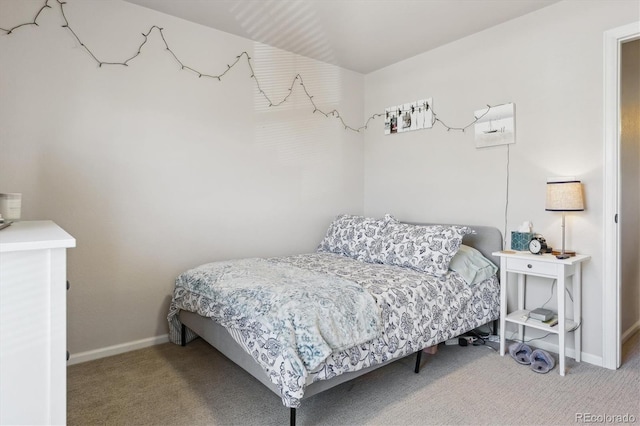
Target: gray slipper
(542,361)
(521,353)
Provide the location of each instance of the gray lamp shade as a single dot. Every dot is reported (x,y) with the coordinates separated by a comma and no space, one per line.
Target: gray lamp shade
(564,196)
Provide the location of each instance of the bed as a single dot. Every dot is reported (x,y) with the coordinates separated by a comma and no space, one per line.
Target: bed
(375,291)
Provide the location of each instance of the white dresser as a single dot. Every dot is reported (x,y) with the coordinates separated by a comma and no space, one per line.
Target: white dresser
(33,323)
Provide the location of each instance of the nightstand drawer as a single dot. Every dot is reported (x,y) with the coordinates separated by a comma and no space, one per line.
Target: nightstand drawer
(532,267)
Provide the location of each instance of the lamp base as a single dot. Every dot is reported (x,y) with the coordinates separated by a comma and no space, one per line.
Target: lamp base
(567,254)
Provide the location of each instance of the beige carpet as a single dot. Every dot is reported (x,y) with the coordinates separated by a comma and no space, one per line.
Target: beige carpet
(195,385)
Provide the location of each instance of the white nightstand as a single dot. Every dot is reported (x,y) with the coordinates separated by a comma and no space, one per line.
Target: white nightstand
(547,266)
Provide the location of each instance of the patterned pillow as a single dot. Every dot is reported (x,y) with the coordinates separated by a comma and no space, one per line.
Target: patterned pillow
(355,236)
(424,248)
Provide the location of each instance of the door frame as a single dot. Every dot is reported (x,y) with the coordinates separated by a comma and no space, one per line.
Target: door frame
(611,343)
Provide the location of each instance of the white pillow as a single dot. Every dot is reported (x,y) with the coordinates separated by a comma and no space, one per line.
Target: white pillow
(472,265)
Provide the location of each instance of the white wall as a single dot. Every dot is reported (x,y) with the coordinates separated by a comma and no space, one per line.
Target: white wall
(549,63)
(154,170)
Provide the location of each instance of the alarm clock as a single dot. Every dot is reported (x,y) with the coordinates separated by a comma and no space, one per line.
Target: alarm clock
(538,245)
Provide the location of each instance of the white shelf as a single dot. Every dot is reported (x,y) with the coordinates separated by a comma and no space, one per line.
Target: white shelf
(521,317)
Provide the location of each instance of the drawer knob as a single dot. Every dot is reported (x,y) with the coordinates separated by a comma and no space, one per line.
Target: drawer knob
(529,266)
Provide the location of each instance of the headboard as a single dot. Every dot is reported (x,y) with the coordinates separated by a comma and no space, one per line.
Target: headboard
(485,239)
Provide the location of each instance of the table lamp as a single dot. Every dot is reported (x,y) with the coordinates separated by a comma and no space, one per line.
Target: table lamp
(564,196)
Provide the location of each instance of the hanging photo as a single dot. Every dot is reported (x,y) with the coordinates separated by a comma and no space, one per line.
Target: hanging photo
(406,117)
(495,126)
(412,116)
(423,114)
(391,120)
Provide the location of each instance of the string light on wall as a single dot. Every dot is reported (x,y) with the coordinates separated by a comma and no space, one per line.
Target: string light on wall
(34,22)
(297,79)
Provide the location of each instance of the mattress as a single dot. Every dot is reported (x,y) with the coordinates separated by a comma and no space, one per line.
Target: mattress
(416,310)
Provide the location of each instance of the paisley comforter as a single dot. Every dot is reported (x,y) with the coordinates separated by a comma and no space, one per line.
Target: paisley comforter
(309,314)
(412,310)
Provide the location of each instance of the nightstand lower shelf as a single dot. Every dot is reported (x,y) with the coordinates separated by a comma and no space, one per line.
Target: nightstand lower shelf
(522,317)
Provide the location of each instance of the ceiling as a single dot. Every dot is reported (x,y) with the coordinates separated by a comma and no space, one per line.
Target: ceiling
(360,35)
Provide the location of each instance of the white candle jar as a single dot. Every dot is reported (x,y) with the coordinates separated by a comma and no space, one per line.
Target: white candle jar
(11,206)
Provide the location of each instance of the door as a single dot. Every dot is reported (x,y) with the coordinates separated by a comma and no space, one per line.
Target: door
(611,323)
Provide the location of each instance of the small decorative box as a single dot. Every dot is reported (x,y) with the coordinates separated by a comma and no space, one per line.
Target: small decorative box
(520,240)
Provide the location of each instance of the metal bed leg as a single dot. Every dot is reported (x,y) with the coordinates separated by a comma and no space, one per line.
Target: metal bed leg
(418,357)
(183,335)
(292,417)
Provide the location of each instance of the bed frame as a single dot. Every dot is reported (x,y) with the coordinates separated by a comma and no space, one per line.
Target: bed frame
(485,239)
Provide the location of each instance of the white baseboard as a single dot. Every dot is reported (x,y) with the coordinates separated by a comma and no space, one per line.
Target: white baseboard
(569,352)
(116,349)
(629,332)
(151,341)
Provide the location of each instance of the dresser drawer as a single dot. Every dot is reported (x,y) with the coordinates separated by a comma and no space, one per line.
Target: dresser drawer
(532,267)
